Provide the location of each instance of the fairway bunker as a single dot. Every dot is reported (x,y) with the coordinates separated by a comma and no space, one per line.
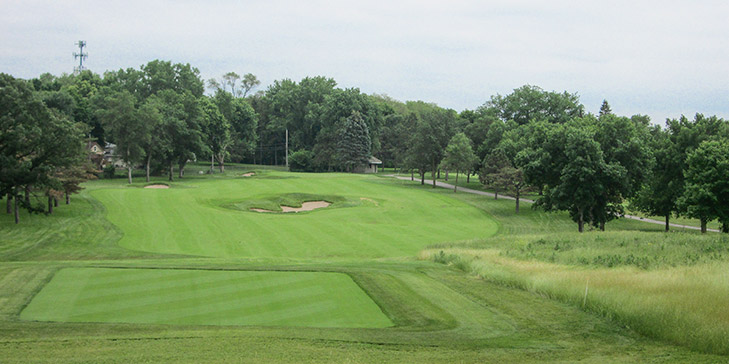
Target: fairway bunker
(306,206)
(205,297)
(157,186)
(249,174)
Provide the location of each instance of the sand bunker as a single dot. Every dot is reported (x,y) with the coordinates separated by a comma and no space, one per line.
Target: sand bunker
(306,206)
(157,186)
(249,174)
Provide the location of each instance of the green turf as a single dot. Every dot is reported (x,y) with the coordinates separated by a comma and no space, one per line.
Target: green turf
(438,314)
(204,297)
(384,220)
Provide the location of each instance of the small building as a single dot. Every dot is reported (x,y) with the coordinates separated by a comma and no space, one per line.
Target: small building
(110,157)
(372,165)
(94,148)
(95,153)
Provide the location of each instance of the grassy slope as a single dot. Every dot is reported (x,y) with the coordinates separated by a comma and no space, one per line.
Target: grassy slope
(474,184)
(190,219)
(670,286)
(440,314)
(74,231)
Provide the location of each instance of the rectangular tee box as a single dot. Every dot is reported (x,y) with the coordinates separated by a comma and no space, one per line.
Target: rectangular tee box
(205,297)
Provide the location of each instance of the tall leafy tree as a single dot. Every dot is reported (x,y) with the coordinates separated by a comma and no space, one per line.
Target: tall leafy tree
(583,176)
(243,121)
(70,178)
(490,173)
(459,156)
(249,82)
(164,75)
(230,81)
(706,195)
(184,140)
(125,126)
(394,136)
(82,88)
(157,143)
(330,115)
(685,136)
(217,131)
(498,172)
(624,143)
(35,142)
(531,103)
(659,193)
(433,132)
(132,80)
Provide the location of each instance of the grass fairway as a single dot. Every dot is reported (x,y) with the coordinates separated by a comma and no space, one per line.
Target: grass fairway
(383,221)
(204,297)
(190,275)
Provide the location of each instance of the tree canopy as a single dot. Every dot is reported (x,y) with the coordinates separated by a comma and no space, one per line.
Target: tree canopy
(159,116)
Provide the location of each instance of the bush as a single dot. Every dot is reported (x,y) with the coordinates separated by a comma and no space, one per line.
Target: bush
(301,161)
(109,171)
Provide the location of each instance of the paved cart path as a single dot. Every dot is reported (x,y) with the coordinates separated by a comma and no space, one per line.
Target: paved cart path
(483,193)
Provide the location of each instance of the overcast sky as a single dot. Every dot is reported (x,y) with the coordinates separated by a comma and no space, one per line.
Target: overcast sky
(661,58)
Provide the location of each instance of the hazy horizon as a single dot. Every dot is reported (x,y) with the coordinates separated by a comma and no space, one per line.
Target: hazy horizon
(663,59)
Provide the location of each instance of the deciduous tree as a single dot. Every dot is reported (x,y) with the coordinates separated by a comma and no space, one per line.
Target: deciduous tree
(124,125)
(531,103)
(706,195)
(459,156)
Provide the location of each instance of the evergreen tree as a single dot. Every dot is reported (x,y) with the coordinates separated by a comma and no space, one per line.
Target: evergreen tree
(353,146)
(605,108)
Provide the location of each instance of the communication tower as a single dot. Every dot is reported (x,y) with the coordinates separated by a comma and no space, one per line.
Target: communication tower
(81,57)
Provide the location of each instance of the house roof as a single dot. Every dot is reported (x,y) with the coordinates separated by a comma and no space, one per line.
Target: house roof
(374,160)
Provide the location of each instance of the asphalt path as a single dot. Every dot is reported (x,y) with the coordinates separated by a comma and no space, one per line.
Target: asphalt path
(507,197)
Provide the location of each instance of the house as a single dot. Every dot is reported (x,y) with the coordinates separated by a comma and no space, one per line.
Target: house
(110,157)
(96,154)
(372,165)
(94,148)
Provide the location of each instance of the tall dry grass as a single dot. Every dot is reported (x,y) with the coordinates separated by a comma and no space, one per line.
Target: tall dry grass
(685,305)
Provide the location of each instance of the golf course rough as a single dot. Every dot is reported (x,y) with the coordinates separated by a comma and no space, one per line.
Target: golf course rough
(194,221)
(205,297)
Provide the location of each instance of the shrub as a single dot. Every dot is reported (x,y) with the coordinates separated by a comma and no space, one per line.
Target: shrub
(301,161)
(109,171)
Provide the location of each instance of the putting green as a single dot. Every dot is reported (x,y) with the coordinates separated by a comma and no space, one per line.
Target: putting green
(385,219)
(202,297)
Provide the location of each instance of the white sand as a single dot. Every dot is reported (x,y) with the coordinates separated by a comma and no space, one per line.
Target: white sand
(157,186)
(249,174)
(306,206)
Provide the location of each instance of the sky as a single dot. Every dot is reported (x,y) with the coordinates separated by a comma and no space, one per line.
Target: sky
(659,58)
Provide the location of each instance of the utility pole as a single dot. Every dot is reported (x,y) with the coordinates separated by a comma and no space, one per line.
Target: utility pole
(287,148)
(81,57)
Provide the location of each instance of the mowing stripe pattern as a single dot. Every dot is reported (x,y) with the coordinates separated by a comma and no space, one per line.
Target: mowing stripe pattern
(199,297)
(193,221)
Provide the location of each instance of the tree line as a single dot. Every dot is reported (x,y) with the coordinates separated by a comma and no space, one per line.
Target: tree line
(160,118)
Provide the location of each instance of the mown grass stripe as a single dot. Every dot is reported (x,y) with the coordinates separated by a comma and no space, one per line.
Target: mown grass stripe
(179,291)
(194,222)
(205,297)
